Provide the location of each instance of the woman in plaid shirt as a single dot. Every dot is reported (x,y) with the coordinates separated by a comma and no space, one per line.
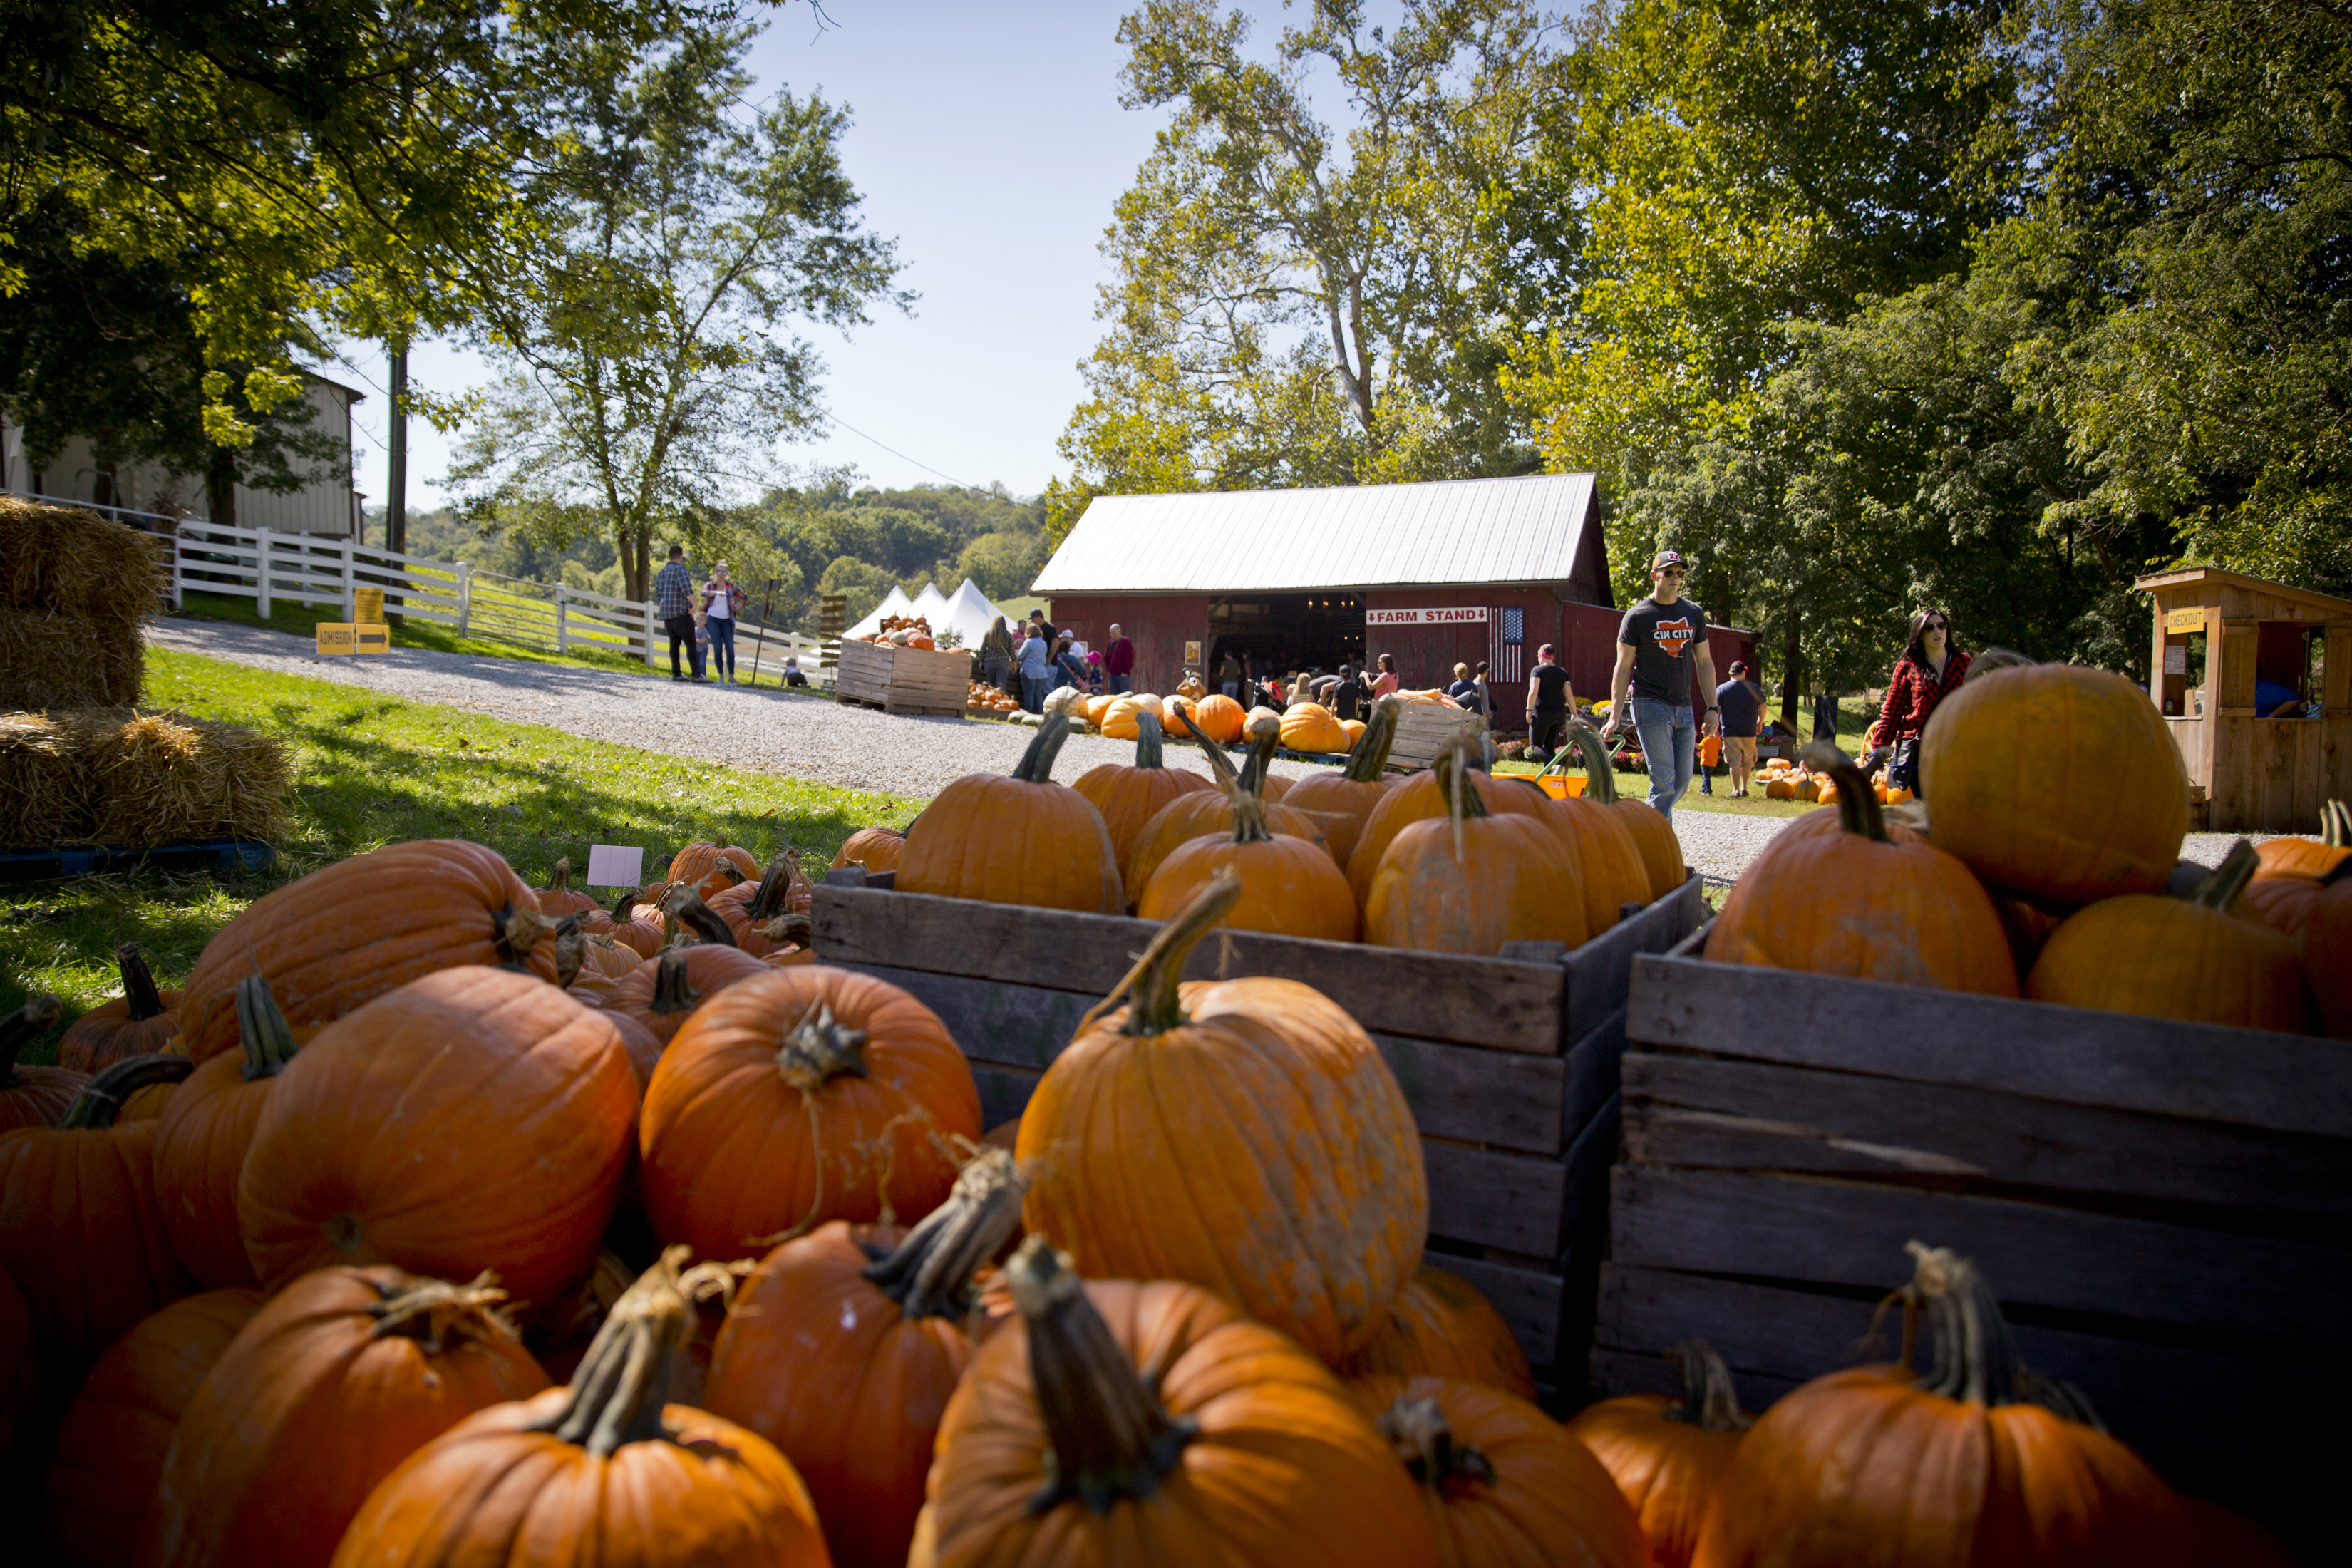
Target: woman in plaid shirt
(1930,669)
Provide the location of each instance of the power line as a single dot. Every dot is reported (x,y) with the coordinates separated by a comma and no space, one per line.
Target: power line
(894,451)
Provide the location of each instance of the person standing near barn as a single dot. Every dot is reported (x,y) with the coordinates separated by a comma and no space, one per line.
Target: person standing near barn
(1551,699)
(1661,648)
(674,598)
(1119,662)
(1930,669)
(1742,704)
(1387,680)
(996,655)
(1036,671)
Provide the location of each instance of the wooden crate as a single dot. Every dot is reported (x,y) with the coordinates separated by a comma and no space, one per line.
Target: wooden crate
(1426,730)
(2164,1208)
(916,681)
(1509,1064)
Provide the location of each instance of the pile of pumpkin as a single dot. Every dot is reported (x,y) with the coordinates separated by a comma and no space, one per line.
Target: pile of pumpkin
(2043,860)
(417,1263)
(1452,860)
(994,698)
(1785,780)
(903,631)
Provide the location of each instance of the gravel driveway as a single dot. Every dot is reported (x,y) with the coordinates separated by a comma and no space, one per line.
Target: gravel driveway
(799,736)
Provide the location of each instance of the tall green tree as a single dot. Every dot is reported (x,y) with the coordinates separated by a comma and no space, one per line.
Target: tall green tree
(648,376)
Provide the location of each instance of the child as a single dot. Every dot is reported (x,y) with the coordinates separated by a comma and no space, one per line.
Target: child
(1710,757)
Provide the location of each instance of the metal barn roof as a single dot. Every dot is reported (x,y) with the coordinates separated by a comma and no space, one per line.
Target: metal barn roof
(1454,530)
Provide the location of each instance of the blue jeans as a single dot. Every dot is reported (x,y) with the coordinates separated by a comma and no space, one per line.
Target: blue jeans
(1033,690)
(1121,683)
(1669,738)
(722,644)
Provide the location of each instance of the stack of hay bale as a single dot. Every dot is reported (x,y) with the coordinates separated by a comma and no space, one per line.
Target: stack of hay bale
(79,764)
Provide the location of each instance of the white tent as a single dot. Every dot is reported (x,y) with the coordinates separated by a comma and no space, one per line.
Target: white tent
(894,602)
(932,606)
(966,611)
(970,612)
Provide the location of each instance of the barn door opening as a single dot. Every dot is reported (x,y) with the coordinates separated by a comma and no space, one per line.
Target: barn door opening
(1281,633)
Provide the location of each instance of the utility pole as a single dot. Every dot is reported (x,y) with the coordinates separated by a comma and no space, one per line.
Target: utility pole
(395,532)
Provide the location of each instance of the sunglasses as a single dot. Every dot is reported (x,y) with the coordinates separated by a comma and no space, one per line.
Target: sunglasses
(1670,572)
(1932,627)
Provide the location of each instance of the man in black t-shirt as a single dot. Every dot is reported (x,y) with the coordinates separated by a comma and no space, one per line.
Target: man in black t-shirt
(1550,700)
(1349,695)
(1661,648)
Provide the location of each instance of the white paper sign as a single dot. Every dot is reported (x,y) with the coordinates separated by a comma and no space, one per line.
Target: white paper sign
(616,866)
(1466,614)
(2175,660)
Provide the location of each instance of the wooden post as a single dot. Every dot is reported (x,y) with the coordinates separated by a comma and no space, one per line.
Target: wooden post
(261,573)
(562,620)
(350,585)
(646,608)
(465,595)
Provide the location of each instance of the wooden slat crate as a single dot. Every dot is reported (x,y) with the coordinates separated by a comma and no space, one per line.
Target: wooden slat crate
(916,680)
(2164,1208)
(1426,730)
(1509,1064)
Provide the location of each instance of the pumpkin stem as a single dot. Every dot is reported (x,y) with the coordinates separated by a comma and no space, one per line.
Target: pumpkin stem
(1710,1403)
(1423,1438)
(1155,977)
(624,1380)
(1109,1438)
(2335,825)
(139,983)
(621,906)
(791,926)
(819,1051)
(559,880)
(38,1013)
(673,991)
(2228,879)
(1036,765)
(1147,738)
(518,932)
(774,895)
(269,1037)
(571,950)
(1600,773)
(1857,803)
(930,1273)
(1975,1361)
(1367,760)
(434,1313)
(102,1099)
(685,906)
(1264,735)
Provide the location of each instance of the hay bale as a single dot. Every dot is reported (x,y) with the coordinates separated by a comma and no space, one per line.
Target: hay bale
(58,658)
(163,778)
(66,559)
(43,800)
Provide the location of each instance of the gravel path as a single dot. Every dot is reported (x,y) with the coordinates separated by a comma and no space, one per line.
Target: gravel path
(812,737)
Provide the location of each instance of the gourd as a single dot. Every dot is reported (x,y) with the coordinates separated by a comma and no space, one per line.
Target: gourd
(1668,1455)
(141,1020)
(663,995)
(709,868)
(1439,1326)
(1289,884)
(1471,880)
(559,899)
(1022,839)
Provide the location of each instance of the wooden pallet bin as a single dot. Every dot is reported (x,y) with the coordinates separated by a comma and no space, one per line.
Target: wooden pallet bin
(1425,731)
(2164,1208)
(915,680)
(1509,1064)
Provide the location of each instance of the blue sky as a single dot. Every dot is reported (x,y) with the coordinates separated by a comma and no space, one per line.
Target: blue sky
(990,142)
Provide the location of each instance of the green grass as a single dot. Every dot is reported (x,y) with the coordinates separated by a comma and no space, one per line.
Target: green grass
(371,770)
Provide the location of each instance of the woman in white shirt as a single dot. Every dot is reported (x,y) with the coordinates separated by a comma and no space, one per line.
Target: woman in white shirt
(723,600)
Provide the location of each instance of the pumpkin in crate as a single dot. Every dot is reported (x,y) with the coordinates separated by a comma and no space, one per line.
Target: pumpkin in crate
(1609,862)
(1285,884)
(1215,718)
(1502,1483)
(1120,1421)
(109,1453)
(141,1020)
(1128,797)
(202,1138)
(1473,879)
(1310,727)
(2163,957)
(1307,1202)
(81,1232)
(801,1095)
(334,1383)
(1341,801)
(1855,1467)
(844,1346)
(762,917)
(2311,857)
(33,1096)
(711,869)
(346,934)
(1207,814)
(1416,798)
(605,1471)
(1020,839)
(1858,898)
(1668,1455)
(559,897)
(383,1143)
(1439,1326)
(663,995)
(2055,780)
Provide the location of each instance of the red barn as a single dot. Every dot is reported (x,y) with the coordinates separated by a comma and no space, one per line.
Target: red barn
(1439,573)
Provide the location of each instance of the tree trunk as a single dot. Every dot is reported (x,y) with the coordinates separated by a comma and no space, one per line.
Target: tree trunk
(220,487)
(636,581)
(1792,669)
(395,501)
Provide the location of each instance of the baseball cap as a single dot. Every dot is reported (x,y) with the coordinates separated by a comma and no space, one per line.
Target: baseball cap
(1738,667)
(1665,558)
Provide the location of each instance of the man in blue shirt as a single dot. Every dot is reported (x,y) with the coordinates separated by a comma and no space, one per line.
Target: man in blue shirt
(1036,672)
(674,601)
(1742,702)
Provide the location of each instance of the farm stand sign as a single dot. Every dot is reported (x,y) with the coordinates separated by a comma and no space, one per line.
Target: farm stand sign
(1466,615)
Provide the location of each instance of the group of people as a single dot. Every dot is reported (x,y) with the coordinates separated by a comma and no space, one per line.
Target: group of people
(700,618)
(1032,658)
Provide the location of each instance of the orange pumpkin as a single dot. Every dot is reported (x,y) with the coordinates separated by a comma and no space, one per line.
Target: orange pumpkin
(1129,797)
(1608,860)
(109,1453)
(343,1375)
(636,926)
(1873,1465)
(1666,1455)
(2309,857)
(1122,720)
(1021,839)
(2164,957)
(711,869)
(33,1096)
(1503,1485)
(559,899)
(202,1138)
(1340,802)
(1153,1423)
(1289,884)
(603,1472)
(1439,1326)
(384,1143)
(842,1349)
(344,935)
(140,1021)
(801,1095)
(2328,954)
(1654,836)
(2022,767)
(1311,727)
(1417,798)
(1207,814)
(1306,1201)
(875,849)
(1867,900)
(79,1230)
(1216,719)
(663,995)
(762,917)
(1471,880)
